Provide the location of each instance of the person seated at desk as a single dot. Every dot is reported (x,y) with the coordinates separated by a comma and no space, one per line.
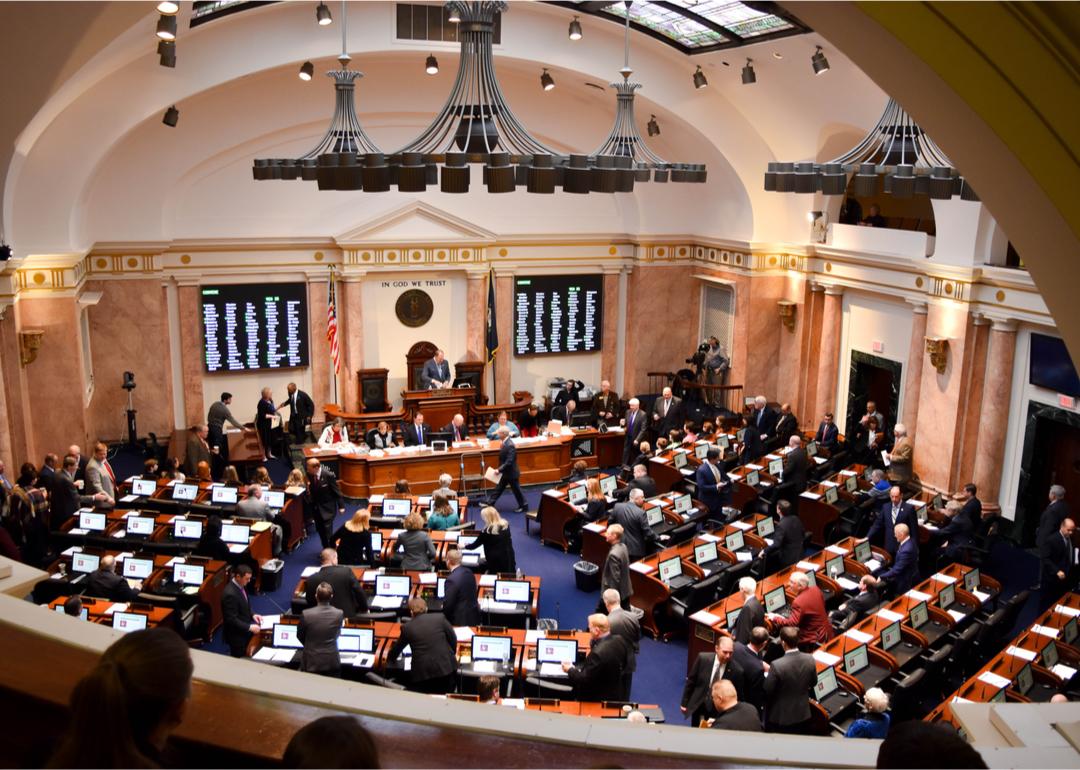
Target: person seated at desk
(73,606)
(864,601)
(497,542)
(662,445)
(641,480)
(605,404)
(713,488)
(595,501)
(578,472)
(828,435)
(349,596)
(433,643)
(904,572)
(170,470)
(381,436)
(446,482)
(879,485)
(230,477)
(262,476)
(529,421)
(894,512)
(442,515)
(787,425)
(333,434)
(564,413)
(502,422)
(644,454)
(436,373)
(295,479)
(401,487)
(202,472)
(690,432)
(730,713)
(104,583)
(353,539)
(319,629)
(487,690)
(457,430)
(419,551)
(874,720)
(874,219)
(789,537)
(252,506)
(955,536)
(972,505)
(807,612)
(150,469)
(416,433)
(198,450)
(599,678)
(210,543)
(460,605)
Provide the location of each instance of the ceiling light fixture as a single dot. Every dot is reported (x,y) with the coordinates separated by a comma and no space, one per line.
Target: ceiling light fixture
(322,15)
(167,52)
(168,7)
(307,71)
(166,27)
(546,81)
(819,62)
(699,78)
(653,127)
(748,76)
(431,66)
(896,150)
(453,15)
(172,115)
(575,29)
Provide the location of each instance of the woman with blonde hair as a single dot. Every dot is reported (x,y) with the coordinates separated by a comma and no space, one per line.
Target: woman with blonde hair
(498,545)
(262,476)
(419,550)
(354,539)
(230,477)
(296,478)
(595,502)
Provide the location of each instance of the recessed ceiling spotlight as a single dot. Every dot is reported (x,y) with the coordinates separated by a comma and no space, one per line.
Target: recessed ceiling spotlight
(168,7)
(777,55)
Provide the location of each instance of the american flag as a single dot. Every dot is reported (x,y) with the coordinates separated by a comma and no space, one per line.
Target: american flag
(331,325)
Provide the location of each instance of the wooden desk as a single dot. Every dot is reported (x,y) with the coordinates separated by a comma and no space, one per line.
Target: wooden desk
(595,548)
(555,512)
(817,514)
(576,708)
(100,612)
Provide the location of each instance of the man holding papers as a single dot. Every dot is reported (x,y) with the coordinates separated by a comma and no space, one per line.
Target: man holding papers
(507,473)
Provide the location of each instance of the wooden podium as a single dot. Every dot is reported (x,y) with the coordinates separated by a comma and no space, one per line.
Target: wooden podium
(438,406)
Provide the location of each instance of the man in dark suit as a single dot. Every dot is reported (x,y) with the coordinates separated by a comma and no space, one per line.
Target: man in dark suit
(708,668)
(104,583)
(642,480)
(509,472)
(751,658)
(752,446)
(319,629)
(265,412)
(571,391)
(763,418)
(348,594)
(197,450)
(459,603)
(1057,562)
(904,572)
(66,498)
(638,536)
(301,411)
(731,714)
(713,488)
(324,499)
(788,539)
(1056,512)
(605,404)
(667,413)
(625,624)
(457,429)
(828,435)
(47,474)
(752,614)
(600,676)
(636,423)
(894,512)
(616,572)
(796,467)
(956,535)
(564,413)
(787,687)
(416,433)
(436,373)
(808,613)
(787,425)
(238,621)
(864,601)
(972,505)
(433,643)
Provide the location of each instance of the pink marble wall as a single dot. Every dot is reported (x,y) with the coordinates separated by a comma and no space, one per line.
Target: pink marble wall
(15,425)
(663,311)
(608,362)
(55,378)
(475,317)
(814,312)
(970,405)
(791,361)
(129,331)
(350,344)
(913,383)
(762,335)
(994,413)
(504,321)
(829,355)
(191,346)
(321,365)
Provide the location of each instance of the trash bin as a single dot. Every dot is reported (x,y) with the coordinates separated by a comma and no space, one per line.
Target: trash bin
(586,575)
(271,575)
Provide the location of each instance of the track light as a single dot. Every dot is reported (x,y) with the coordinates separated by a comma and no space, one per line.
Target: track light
(575,29)
(699,78)
(168,7)
(653,127)
(748,75)
(167,51)
(322,15)
(819,62)
(166,27)
(431,67)
(172,115)
(547,81)
(307,71)
(454,14)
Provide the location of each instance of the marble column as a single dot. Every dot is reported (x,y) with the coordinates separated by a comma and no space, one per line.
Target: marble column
(322,367)
(191,345)
(475,316)
(609,329)
(13,383)
(815,296)
(913,375)
(829,357)
(504,324)
(350,341)
(994,416)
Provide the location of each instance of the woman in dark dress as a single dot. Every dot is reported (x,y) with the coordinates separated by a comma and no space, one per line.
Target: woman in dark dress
(529,421)
(498,546)
(210,544)
(354,539)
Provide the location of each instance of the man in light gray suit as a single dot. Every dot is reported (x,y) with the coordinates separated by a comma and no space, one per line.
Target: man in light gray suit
(638,536)
(319,629)
(100,476)
(624,623)
(436,374)
(788,685)
(616,573)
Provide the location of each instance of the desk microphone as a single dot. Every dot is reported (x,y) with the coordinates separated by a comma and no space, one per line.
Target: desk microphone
(557,624)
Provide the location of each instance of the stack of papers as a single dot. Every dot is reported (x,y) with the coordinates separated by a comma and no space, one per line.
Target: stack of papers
(594,527)
(1072,612)
(982,596)
(811,495)
(847,585)
(273,655)
(1063,672)
(955,615)
(463,633)
(309,571)
(889,615)
(1020,652)
(918,596)
(706,618)
(944,578)
(268,621)
(873,565)
(551,669)
(859,636)
(994,680)
(642,567)
(825,658)
(554,493)
(837,550)
(708,537)
(743,555)
(808,566)
(1045,631)
(742,525)
(488,580)
(385,602)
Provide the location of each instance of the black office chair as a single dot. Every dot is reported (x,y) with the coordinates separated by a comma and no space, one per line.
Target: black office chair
(935,668)
(987,534)
(991,635)
(961,659)
(682,533)
(510,618)
(372,678)
(389,616)
(535,687)
(906,695)
(700,595)
(730,577)
(1013,607)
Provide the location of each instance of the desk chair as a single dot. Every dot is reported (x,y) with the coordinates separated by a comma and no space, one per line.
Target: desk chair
(935,670)
(990,638)
(961,659)
(906,695)
(372,678)
(701,595)
(389,616)
(515,618)
(535,687)
(729,578)
(682,533)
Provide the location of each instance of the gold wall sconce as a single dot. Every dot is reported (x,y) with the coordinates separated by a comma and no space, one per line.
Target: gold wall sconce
(786,309)
(29,344)
(938,348)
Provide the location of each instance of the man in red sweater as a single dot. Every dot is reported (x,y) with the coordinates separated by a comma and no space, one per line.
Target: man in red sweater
(807,611)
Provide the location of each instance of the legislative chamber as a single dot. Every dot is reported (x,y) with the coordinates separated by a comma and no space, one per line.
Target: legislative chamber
(488,384)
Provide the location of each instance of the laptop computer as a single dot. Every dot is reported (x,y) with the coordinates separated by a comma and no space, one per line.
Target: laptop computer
(828,694)
(143,487)
(576,494)
(84,613)
(84,563)
(356,647)
(753,478)
(188,574)
(185,492)
(92,521)
(732,618)
(275,498)
(892,642)
(701,449)
(237,535)
(513,591)
(776,467)
(391,591)
(396,508)
(608,485)
(129,621)
(832,494)
(679,459)
(682,505)
(851,483)
(811,448)
(776,601)
(223,495)
(491,653)
(765,527)
(286,636)
(972,580)
(138,569)
(187,529)
(705,556)
(552,653)
(139,526)
(735,541)
(671,573)
(863,552)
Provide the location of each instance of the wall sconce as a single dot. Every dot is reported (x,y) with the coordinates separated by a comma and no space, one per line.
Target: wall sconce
(29,343)
(938,348)
(786,309)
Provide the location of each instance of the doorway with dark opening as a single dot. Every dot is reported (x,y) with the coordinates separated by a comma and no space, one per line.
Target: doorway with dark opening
(877,379)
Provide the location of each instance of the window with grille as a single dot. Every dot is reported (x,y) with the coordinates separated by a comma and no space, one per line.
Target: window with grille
(432,22)
(718,315)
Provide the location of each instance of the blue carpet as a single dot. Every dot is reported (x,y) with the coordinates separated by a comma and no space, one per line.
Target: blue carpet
(661,667)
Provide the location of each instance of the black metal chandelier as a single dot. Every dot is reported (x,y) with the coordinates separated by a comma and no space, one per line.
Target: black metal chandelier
(896,150)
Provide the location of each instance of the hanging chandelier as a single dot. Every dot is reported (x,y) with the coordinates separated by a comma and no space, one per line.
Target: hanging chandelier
(624,157)
(896,150)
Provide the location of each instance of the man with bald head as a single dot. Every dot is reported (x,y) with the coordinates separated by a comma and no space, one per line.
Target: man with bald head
(667,412)
(80,464)
(301,411)
(600,676)
(1057,557)
(104,583)
(605,404)
(730,713)
(904,572)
